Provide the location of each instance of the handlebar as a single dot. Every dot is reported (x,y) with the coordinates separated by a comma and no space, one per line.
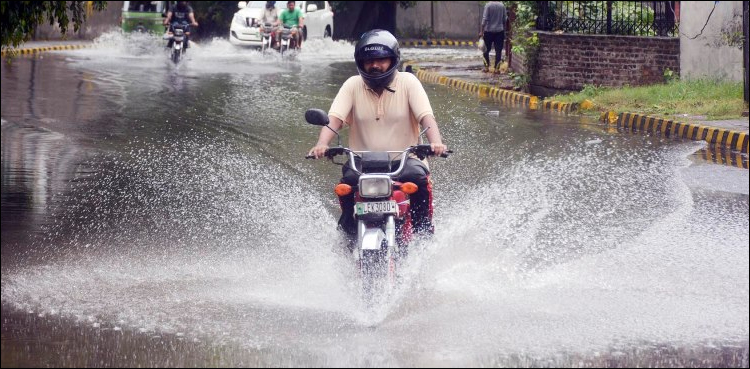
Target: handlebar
(421,151)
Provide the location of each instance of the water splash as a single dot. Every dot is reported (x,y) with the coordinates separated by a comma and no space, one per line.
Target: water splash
(544,244)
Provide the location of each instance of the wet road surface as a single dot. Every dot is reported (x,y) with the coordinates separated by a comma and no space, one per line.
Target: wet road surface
(162,215)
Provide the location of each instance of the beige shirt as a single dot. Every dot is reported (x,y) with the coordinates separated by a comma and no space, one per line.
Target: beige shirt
(270,16)
(389,122)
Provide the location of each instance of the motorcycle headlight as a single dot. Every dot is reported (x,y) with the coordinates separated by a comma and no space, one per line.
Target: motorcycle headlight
(375,186)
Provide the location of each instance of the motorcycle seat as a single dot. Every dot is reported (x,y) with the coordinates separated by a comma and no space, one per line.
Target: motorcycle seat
(376,162)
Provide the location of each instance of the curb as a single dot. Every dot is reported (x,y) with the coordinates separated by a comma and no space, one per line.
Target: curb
(499,94)
(36,50)
(729,139)
(437,43)
(516,98)
(719,137)
(559,106)
(719,156)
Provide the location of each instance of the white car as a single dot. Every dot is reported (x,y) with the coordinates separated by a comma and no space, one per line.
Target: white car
(245,28)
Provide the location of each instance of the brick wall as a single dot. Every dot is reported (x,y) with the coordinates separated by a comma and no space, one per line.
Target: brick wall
(570,61)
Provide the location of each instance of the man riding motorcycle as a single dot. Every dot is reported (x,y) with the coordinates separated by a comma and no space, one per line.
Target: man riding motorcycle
(181,14)
(270,16)
(294,19)
(384,110)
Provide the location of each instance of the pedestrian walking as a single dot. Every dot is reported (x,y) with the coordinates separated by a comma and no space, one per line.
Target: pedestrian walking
(492,31)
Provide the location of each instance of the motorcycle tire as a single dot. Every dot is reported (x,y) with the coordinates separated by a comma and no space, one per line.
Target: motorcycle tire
(377,271)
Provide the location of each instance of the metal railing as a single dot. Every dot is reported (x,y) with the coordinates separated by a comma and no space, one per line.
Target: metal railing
(636,18)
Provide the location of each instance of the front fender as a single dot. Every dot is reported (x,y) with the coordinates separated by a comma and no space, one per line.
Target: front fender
(372,239)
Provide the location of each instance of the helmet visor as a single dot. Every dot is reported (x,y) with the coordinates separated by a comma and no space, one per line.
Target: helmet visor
(376,52)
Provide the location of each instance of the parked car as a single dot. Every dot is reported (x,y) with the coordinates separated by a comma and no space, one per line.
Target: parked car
(245,27)
(144,16)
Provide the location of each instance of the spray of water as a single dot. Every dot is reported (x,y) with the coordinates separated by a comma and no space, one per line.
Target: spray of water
(582,245)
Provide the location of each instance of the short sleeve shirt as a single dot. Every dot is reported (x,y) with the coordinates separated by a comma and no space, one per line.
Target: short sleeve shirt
(270,15)
(389,122)
(291,18)
(180,14)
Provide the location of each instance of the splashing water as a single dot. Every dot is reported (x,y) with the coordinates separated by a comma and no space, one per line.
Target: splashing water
(546,243)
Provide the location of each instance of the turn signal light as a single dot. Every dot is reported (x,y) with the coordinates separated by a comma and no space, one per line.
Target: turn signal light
(343,189)
(409,188)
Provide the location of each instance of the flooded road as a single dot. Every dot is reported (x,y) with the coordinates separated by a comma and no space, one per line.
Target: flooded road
(162,215)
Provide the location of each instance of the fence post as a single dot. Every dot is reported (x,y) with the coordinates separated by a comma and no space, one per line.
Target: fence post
(609,17)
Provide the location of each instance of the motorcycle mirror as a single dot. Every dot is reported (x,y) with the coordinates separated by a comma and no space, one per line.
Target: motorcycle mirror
(317,117)
(320,118)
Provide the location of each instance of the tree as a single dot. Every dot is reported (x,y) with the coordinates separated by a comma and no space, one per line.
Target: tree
(20,18)
(214,17)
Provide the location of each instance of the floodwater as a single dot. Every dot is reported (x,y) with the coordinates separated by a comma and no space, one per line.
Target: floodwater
(164,215)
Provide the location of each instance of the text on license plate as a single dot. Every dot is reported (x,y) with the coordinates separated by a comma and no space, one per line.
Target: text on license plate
(362,208)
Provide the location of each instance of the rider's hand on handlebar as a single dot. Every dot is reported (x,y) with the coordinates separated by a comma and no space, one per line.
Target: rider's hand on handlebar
(318,151)
(438,148)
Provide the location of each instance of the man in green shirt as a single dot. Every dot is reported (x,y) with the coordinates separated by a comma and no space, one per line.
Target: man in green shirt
(293,17)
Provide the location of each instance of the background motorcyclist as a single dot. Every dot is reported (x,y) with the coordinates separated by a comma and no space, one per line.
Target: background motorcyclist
(270,16)
(292,17)
(384,110)
(181,14)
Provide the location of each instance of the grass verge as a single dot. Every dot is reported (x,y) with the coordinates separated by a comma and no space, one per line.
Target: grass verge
(694,99)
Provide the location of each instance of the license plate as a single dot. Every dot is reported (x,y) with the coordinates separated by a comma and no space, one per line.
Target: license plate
(389,207)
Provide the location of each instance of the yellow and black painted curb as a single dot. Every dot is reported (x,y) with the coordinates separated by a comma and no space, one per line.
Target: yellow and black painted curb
(36,50)
(721,137)
(506,96)
(558,106)
(437,43)
(718,155)
(500,94)
(732,146)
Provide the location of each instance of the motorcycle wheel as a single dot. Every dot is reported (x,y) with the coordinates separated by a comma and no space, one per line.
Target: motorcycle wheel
(175,56)
(378,273)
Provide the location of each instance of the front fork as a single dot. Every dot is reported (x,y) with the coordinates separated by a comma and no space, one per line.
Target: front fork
(372,238)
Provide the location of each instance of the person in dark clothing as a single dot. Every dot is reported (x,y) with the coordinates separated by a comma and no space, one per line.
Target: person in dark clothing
(493,31)
(181,14)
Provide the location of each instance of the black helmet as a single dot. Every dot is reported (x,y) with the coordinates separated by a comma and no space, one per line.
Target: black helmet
(270,4)
(377,44)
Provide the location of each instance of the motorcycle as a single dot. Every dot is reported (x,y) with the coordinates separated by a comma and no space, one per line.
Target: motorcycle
(382,209)
(177,36)
(267,38)
(287,41)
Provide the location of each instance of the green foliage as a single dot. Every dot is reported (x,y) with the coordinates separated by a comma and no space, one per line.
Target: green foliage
(712,99)
(525,42)
(670,76)
(214,17)
(520,81)
(623,12)
(20,18)
(526,12)
(590,91)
